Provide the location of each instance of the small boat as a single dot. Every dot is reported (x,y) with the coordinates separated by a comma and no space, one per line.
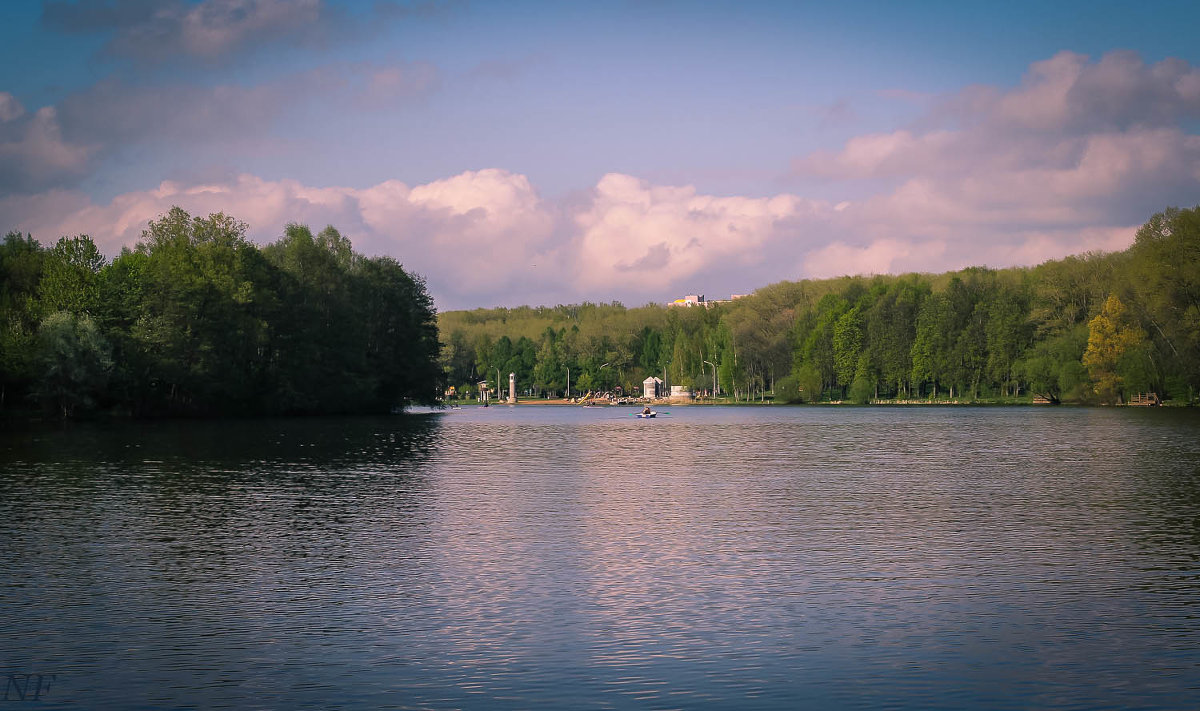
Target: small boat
(647,414)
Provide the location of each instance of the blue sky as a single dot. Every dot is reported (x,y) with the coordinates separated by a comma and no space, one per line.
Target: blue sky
(535,152)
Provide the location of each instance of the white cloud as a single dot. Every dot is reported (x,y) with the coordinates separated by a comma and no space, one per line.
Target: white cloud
(477,236)
(1065,162)
(487,237)
(635,231)
(33,151)
(997,177)
(473,234)
(490,228)
(10,108)
(879,257)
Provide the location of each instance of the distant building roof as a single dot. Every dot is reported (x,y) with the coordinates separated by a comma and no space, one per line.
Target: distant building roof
(699,300)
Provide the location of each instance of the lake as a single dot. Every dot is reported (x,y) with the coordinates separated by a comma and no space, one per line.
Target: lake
(541,557)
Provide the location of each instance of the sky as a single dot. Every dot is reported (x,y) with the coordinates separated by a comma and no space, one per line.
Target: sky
(548,153)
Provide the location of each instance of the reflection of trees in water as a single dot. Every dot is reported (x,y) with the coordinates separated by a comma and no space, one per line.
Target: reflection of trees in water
(206,546)
(169,478)
(1164,504)
(198,443)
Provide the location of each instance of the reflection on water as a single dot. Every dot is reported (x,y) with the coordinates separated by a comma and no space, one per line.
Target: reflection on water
(540,557)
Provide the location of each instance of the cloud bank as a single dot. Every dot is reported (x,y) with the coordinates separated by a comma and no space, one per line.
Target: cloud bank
(1073,159)
(487,237)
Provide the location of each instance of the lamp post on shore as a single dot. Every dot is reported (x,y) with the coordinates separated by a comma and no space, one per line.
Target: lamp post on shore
(568,382)
(714,392)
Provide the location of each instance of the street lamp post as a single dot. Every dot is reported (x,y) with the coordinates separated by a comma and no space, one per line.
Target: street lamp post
(714,378)
(602,369)
(497,383)
(568,382)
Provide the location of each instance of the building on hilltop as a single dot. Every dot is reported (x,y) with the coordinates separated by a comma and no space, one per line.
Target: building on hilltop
(698,300)
(689,301)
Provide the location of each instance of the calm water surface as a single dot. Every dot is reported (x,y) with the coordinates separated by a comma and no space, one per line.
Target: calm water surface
(554,558)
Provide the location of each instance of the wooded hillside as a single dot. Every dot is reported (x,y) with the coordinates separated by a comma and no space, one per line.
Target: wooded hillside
(1087,328)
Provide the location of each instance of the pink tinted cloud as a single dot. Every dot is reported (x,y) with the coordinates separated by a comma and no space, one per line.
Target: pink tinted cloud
(632,230)
(882,256)
(487,237)
(34,153)
(10,108)
(477,236)
(477,231)
(1067,161)
(1008,177)
(1062,104)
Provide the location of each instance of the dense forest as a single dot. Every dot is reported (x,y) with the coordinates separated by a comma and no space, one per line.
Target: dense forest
(196,320)
(1093,328)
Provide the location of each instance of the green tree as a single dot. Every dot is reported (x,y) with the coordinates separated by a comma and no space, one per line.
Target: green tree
(1007,333)
(1053,367)
(809,384)
(73,362)
(815,334)
(891,324)
(205,308)
(863,387)
(397,328)
(1111,337)
(932,343)
(70,276)
(1166,271)
(549,371)
(848,339)
(21,265)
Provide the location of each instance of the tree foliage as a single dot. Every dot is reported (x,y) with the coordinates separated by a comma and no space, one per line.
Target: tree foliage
(971,334)
(1113,344)
(197,320)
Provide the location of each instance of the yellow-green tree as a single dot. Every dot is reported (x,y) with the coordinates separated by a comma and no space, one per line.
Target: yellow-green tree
(1111,334)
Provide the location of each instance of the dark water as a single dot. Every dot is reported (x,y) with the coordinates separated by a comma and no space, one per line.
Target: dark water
(564,558)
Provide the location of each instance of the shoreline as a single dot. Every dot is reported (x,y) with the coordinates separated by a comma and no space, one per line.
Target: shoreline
(561,402)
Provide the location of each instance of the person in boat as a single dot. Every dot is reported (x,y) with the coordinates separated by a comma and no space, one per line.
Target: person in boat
(646,410)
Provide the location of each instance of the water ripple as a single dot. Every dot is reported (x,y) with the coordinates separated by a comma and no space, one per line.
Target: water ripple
(553,558)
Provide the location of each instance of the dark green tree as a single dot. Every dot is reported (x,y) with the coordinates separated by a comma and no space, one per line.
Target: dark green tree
(73,361)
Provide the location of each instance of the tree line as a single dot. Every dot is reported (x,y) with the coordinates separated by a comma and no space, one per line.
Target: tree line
(196,320)
(1091,328)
